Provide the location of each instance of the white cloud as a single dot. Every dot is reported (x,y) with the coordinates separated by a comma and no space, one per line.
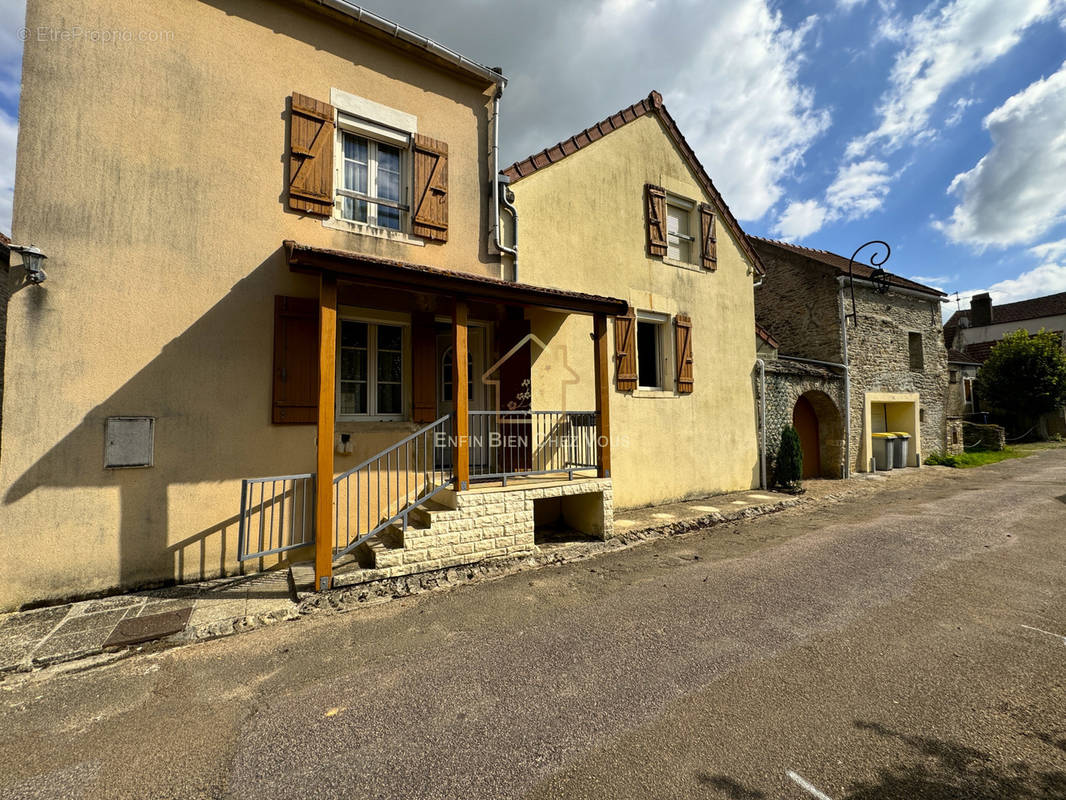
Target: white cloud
(858,189)
(943,45)
(8,136)
(800,219)
(848,5)
(958,108)
(1050,251)
(1016,192)
(728,70)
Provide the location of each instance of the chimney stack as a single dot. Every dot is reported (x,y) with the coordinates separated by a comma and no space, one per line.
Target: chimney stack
(980,310)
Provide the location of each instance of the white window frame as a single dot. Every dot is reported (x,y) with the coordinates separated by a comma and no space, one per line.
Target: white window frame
(375,134)
(373,322)
(661,322)
(687,207)
(967,389)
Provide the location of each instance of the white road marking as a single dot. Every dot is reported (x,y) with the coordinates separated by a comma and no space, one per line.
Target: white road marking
(808,787)
(1046,633)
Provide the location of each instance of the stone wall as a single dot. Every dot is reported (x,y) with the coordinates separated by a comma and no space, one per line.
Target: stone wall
(786,382)
(984,437)
(879,357)
(797,303)
(955,437)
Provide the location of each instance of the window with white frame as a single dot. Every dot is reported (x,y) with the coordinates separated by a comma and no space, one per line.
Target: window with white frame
(650,352)
(370,373)
(372,185)
(679,237)
(967,391)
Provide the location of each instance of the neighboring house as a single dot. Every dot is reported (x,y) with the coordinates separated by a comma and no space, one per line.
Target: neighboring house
(962,373)
(975,331)
(269,237)
(625,208)
(893,351)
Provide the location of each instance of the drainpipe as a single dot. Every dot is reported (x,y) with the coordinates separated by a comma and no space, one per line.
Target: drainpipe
(847,379)
(847,394)
(509,205)
(496,240)
(762,423)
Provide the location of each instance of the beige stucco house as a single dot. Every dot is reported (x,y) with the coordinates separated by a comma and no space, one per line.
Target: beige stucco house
(625,208)
(270,235)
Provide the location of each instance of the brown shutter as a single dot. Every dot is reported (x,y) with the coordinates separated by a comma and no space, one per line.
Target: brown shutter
(311,156)
(424,367)
(683,352)
(295,397)
(429,217)
(708,242)
(625,351)
(655,211)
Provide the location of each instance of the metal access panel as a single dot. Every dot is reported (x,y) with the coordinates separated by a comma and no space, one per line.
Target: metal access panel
(129,442)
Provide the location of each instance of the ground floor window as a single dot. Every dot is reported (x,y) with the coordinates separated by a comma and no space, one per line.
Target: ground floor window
(370,370)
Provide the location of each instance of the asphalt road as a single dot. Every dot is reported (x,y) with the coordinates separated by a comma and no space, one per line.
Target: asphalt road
(907,644)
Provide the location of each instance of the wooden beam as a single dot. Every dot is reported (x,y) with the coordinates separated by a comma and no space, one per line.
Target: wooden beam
(603,397)
(327,381)
(460,378)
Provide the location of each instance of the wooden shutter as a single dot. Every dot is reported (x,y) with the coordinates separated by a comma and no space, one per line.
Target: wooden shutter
(295,397)
(625,351)
(311,156)
(708,242)
(424,367)
(683,352)
(655,212)
(429,217)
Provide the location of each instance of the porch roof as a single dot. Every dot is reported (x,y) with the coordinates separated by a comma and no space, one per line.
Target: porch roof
(388,274)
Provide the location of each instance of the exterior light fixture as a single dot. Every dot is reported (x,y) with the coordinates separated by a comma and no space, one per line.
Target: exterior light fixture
(32,261)
(879,278)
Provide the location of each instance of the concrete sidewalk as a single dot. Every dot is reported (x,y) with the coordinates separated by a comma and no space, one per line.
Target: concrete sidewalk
(221,607)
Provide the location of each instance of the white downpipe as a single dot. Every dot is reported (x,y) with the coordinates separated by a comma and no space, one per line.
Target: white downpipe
(762,423)
(497,241)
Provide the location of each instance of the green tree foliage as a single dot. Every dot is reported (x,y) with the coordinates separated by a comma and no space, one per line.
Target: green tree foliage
(789,469)
(1024,377)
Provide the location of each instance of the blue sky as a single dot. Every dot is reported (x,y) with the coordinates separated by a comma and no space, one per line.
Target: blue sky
(939,127)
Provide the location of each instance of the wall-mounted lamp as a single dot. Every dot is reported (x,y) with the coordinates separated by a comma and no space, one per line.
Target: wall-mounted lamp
(32,261)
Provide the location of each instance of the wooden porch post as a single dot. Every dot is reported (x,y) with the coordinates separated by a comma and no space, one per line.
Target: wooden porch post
(603,397)
(460,378)
(327,379)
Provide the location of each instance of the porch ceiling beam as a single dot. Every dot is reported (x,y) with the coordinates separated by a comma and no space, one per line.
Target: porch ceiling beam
(387,274)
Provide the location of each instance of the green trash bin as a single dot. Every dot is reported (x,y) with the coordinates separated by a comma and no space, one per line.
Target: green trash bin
(884,450)
(900,449)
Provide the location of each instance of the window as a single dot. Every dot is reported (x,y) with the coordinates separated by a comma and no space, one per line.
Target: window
(447,375)
(372,185)
(370,374)
(679,238)
(650,352)
(967,390)
(917,355)
(953,376)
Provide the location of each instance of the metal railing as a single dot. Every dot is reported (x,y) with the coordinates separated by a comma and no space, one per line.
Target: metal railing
(277,520)
(506,444)
(383,489)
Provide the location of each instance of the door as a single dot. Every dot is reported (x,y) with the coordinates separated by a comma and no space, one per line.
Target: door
(475,388)
(805,421)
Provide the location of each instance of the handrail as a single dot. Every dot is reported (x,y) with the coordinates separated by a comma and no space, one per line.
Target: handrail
(384,488)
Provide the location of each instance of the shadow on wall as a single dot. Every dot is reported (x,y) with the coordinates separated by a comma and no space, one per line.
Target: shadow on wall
(210,392)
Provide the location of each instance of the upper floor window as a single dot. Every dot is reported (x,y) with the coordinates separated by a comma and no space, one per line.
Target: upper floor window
(917,354)
(679,238)
(372,186)
(967,391)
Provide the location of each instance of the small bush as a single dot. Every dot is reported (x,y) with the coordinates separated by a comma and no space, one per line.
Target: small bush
(941,460)
(789,461)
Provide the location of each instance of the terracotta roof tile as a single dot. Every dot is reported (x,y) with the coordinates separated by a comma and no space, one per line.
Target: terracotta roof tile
(652,104)
(840,263)
(959,357)
(765,335)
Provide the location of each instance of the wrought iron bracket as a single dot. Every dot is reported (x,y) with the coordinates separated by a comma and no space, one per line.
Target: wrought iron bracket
(879,277)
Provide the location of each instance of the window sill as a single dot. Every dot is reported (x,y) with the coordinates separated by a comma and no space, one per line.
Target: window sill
(385,421)
(362,229)
(653,393)
(673,262)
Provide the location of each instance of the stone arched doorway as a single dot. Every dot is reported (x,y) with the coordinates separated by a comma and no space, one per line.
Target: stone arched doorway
(818,422)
